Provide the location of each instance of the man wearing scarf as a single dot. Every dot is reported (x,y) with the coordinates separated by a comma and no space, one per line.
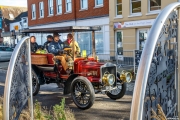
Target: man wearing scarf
(69,42)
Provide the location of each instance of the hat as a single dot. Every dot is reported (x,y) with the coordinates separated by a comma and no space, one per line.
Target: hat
(55,34)
(49,36)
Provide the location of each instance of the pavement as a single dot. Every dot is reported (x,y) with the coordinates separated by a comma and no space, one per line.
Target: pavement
(103,108)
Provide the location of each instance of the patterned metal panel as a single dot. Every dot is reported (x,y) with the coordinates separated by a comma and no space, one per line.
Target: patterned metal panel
(18,84)
(161,81)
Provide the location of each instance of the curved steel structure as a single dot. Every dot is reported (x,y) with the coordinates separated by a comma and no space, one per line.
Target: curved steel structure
(18,86)
(156,76)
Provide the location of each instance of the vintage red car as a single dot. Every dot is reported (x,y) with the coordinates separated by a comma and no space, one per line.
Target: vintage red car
(88,78)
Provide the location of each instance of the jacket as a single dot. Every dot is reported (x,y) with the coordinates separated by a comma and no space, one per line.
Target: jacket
(76,48)
(34,47)
(54,48)
(46,45)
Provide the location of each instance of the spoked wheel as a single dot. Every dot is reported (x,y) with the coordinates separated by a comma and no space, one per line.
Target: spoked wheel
(119,92)
(35,83)
(82,93)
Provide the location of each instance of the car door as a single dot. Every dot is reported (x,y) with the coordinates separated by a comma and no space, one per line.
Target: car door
(3,54)
(8,52)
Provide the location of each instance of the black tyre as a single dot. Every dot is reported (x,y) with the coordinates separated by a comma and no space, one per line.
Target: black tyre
(119,92)
(82,93)
(35,83)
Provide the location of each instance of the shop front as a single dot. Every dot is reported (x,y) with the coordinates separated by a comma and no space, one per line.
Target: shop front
(130,36)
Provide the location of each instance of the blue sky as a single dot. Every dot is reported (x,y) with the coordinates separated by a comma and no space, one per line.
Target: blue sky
(19,3)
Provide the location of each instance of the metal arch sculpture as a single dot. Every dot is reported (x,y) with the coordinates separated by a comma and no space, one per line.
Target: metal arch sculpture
(18,86)
(156,81)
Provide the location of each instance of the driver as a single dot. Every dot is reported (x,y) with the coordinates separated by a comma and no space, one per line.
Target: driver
(55,48)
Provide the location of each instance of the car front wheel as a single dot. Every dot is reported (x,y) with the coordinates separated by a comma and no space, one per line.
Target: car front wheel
(119,92)
(82,93)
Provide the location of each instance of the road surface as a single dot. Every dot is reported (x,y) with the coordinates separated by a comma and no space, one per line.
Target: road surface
(103,108)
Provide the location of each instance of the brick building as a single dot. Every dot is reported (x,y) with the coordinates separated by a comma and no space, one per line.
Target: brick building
(59,13)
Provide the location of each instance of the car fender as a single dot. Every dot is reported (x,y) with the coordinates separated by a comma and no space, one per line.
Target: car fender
(68,82)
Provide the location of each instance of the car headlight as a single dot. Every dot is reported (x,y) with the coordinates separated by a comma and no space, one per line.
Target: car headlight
(126,76)
(108,79)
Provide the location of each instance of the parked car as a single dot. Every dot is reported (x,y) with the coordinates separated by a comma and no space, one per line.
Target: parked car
(89,76)
(5,53)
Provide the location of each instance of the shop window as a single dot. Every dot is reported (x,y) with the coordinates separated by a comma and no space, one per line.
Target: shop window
(99,42)
(154,5)
(59,6)
(50,7)
(142,36)
(135,6)
(41,9)
(119,43)
(84,4)
(84,40)
(33,7)
(68,6)
(118,7)
(98,2)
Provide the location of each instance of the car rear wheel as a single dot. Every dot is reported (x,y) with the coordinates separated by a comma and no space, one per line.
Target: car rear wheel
(119,92)
(35,83)
(82,93)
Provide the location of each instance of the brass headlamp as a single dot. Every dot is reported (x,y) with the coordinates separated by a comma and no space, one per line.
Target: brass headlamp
(126,76)
(108,79)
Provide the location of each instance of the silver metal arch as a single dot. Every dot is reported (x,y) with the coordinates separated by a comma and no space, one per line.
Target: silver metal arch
(145,62)
(9,77)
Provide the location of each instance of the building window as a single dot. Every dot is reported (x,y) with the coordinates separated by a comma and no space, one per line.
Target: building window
(119,43)
(41,9)
(99,42)
(154,5)
(33,7)
(50,7)
(142,37)
(118,7)
(59,6)
(68,6)
(84,4)
(135,6)
(98,2)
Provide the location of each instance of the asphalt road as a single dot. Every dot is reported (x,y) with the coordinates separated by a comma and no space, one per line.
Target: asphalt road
(103,108)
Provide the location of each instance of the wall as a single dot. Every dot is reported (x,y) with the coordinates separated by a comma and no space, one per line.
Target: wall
(130,34)
(76,14)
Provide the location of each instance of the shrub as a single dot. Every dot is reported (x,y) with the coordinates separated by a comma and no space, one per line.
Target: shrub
(59,112)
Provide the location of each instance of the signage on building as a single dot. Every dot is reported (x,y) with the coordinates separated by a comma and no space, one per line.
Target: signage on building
(16,27)
(0,23)
(133,23)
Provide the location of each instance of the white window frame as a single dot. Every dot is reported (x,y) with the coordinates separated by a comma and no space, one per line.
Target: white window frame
(116,9)
(58,5)
(33,9)
(81,4)
(131,7)
(153,11)
(50,7)
(99,4)
(67,9)
(41,4)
